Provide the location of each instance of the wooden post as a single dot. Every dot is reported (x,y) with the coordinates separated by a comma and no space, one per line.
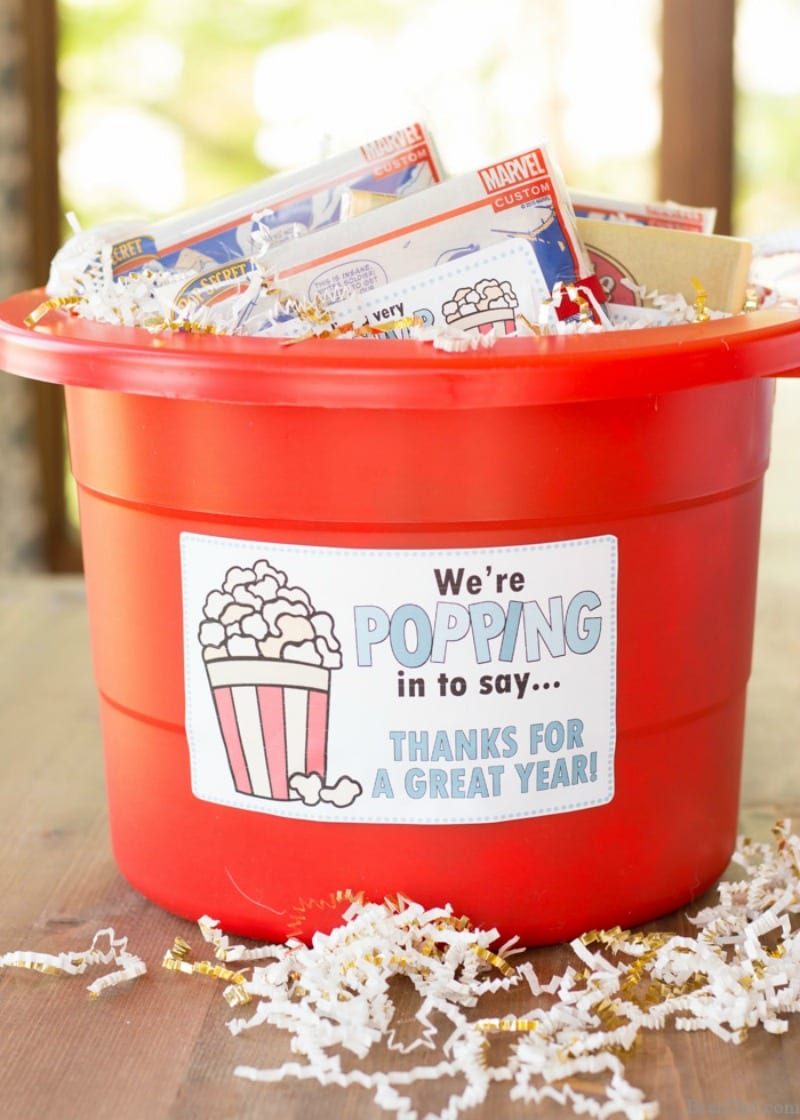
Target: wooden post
(42,96)
(44,224)
(696,160)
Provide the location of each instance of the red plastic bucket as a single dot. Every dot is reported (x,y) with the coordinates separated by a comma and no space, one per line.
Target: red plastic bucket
(474,628)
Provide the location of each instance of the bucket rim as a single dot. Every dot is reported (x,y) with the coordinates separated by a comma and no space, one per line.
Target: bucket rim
(401,373)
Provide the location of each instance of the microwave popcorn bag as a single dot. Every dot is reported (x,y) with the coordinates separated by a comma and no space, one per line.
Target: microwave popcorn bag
(283,206)
(521,198)
(307,276)
(664,215)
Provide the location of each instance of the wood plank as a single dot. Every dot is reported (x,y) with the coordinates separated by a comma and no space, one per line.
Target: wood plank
(124,1055)
(160,1046)
(44,232)
(44,204)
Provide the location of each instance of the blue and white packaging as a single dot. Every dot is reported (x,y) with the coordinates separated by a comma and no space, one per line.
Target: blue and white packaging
(290,204)
(520,198)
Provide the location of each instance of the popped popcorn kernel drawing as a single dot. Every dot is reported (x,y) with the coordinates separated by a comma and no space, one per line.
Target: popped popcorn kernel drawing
(269,655)
(489,305)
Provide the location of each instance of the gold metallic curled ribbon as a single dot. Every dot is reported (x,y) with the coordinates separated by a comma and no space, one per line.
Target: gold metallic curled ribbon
(49,305)
(176,959)
(701,313)
(307,914)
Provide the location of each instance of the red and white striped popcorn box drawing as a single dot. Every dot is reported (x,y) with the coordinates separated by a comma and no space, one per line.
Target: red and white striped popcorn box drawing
(273,715)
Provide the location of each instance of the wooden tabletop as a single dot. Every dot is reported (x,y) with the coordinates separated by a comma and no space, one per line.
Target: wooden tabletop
(159,1046)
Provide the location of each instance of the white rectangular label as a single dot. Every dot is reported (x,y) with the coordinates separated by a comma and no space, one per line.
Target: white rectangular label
(401,686)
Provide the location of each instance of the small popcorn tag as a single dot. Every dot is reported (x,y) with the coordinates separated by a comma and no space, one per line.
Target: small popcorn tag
(492,290)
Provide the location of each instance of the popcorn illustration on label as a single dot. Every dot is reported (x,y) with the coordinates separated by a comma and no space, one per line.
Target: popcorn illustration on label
(269,656)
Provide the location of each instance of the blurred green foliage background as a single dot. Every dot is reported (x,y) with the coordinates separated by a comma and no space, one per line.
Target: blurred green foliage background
(166,105)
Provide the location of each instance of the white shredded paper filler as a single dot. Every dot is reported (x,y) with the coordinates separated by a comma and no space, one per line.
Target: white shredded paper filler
(106,948)
(739,972)
(160,299)
(336,995)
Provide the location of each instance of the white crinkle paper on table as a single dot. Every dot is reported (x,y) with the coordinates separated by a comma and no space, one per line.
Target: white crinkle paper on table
(573,1034)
